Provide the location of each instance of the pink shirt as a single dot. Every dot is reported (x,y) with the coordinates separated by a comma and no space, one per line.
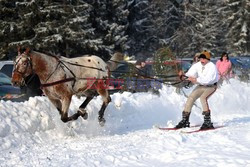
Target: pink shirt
(223,67)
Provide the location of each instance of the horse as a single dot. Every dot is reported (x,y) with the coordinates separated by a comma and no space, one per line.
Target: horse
(63,77)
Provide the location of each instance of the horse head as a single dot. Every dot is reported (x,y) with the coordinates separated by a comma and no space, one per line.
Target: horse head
(22,67)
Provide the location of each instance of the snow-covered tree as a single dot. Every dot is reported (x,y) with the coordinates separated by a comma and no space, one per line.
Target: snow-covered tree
(45,25)
(109,18)
(151,21)
(202,27)
(75,27)
(238,35)
(68,27)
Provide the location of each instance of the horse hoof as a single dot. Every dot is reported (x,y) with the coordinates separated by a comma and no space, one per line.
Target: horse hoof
(102,121)
(64,120)
(83,113)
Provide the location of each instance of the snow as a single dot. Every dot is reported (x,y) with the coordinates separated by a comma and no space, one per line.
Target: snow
(32,134)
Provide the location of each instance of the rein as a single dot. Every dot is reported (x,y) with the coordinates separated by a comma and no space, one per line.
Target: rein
(150,77)
(57,82)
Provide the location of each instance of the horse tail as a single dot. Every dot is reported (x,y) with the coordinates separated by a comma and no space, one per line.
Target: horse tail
(115,61)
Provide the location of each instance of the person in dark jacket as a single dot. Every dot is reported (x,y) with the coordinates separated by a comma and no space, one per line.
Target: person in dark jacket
(30,89)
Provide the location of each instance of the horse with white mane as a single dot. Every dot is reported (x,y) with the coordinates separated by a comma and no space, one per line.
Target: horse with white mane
(62,77)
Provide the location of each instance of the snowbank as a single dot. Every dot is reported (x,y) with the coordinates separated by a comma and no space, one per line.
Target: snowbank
(32,134)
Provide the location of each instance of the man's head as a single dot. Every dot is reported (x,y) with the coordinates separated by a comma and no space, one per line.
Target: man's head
(140,63)
(205,57)
(143,64)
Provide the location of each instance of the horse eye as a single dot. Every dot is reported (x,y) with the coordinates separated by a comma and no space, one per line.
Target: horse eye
(24,63)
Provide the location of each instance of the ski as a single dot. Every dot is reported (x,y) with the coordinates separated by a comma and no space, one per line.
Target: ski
(202,130)
(167,128)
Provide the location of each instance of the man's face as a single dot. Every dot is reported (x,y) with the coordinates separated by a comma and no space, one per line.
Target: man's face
(204,61)
(143,64)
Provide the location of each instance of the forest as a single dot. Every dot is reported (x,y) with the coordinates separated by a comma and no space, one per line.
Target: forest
(134,27)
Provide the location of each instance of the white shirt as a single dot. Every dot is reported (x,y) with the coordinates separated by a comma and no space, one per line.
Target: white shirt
(205,75)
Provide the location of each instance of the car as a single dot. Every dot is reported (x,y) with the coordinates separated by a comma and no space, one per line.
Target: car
(245,60)
(6,67)
(187,59)
(6,88)
(241,68)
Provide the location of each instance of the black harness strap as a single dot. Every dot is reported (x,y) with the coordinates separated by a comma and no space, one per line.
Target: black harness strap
(58,82)
(83,66)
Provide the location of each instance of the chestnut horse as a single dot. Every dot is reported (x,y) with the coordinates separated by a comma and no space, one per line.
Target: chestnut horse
(62,77)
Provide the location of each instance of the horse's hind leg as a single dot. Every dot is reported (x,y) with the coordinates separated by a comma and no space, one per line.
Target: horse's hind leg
(82,107)
(106,100)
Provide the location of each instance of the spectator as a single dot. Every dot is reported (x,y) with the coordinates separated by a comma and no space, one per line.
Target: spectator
(143,76)
(30,89)
(196,58)
(142,69)
(224,67)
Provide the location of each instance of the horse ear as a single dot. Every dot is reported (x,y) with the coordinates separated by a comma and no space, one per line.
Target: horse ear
(18,50)
(27,51)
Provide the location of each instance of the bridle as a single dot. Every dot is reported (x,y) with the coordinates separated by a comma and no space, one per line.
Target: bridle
(27,66)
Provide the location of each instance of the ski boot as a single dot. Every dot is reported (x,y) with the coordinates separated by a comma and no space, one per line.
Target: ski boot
(207,121)
(184,123)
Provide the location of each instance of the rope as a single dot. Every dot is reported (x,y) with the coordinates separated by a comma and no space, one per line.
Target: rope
(149,77)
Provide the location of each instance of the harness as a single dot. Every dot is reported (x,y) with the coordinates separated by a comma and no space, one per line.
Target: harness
(62,65)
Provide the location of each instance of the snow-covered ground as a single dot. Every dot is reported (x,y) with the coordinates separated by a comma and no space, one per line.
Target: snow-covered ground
(32,134)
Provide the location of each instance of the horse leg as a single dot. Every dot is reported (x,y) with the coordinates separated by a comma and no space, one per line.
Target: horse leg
(106,100)
(65,107)
(82,110)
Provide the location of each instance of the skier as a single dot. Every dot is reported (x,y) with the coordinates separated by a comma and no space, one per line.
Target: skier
(205,74)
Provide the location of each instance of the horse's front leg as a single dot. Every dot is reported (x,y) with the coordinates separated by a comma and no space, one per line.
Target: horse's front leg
(82,107)
(65,107)
(57,103)
(106,100)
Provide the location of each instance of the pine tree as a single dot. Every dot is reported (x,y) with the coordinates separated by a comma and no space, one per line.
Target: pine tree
(201,28)
(151,21)
(238,35)
(70,28)
(109,19)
